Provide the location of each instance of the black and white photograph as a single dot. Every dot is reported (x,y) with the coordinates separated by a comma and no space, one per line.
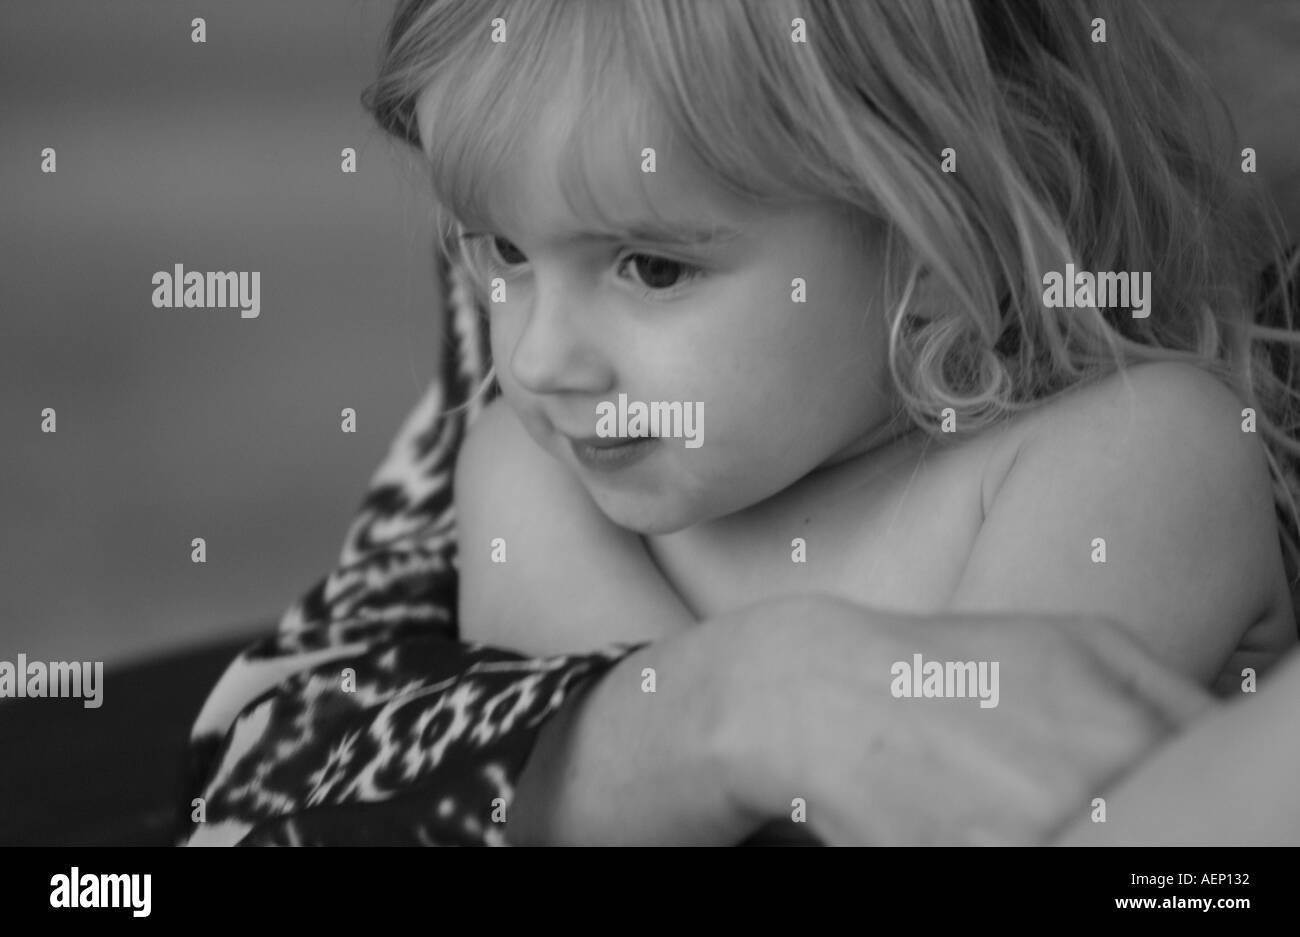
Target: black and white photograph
(681,423)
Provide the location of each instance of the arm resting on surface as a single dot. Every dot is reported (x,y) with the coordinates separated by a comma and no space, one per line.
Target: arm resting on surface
(1226,780)
(791,698)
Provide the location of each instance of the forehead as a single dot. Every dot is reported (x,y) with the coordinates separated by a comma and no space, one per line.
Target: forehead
(577,165)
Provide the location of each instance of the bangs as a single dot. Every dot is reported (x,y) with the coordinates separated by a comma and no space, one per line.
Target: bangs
(576,80)
(498,107)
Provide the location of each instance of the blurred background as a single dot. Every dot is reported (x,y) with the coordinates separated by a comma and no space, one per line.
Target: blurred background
(183,423)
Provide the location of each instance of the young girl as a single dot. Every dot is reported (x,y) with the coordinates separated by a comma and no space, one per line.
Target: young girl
(833,228)
(842,254)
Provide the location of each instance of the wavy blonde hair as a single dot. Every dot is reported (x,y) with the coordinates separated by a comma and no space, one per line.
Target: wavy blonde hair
(1112,156)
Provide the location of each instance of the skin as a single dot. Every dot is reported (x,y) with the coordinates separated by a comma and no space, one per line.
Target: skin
(756,712)
(585,321)
(553,364)
(791,389)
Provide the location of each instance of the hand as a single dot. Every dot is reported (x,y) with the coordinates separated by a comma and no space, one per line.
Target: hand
(810,715)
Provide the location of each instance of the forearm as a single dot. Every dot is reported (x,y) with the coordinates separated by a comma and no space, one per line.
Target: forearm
(621,765)
(1227,780)
(711,756)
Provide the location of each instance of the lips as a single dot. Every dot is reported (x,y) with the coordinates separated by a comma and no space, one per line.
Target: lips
(609,442)
(611,454)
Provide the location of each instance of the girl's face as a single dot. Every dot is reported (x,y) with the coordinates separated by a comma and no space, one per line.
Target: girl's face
(784,387)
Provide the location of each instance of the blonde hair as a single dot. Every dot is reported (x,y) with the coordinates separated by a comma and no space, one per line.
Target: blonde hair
(1112,156)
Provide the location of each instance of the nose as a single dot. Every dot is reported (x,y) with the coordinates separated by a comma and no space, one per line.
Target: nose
(556,351)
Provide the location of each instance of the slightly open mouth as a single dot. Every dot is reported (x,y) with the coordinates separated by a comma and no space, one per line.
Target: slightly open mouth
(612,454)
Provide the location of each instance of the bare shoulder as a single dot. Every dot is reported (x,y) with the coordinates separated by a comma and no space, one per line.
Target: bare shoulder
(1143,406)
(501,471)
(542,570)
(1161,424)
(496,428)
(1136,497)
(1148,397)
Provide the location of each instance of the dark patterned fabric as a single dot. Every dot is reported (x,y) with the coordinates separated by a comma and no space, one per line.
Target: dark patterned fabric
(364,719)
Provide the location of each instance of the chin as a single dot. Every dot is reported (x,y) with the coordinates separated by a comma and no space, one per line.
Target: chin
(648,518)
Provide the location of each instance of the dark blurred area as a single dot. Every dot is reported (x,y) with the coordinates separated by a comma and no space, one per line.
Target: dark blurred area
(1251,51)
(183,423)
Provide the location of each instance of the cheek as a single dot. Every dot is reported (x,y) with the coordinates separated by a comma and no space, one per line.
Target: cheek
(769,385)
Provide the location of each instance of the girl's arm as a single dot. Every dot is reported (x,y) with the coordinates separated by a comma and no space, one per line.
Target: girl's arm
(790,699)
(542,570)
(1229,780)
(621,766)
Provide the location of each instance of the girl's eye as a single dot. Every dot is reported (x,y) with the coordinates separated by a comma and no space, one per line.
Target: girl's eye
(654,274)
(507,252)
(660,273)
